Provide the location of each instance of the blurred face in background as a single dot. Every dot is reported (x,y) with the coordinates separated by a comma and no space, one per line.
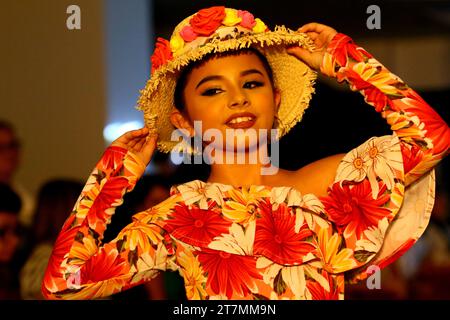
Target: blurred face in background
(9,154)
(156,195)
(9,238)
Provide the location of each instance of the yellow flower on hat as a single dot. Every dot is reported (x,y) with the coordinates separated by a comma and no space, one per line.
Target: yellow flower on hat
(259,26)
(231,18)
(176,43)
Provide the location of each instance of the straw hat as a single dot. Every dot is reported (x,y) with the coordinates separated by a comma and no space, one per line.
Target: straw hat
(219,29)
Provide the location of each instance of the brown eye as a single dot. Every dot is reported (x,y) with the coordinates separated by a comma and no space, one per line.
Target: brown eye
(211,92)
(253,84)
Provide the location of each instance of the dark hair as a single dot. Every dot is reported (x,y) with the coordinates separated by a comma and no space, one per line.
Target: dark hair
(56,200)
(182,79)
(9,200)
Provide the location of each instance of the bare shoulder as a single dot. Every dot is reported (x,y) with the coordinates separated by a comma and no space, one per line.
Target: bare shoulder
(317,176)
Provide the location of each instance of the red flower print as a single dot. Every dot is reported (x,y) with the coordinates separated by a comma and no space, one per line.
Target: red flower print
(276,238)
(107,264)
(196,225)
(319,293)
(229,273)
(342,47)
(161,54)
(353,210)
(53,279)
(357,83)
(412,156)
(376,98)
(206,21)
(435,128)
(112,159)
(108,198)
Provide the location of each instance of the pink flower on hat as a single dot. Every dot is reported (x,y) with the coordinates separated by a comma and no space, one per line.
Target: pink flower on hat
(248,20)
(161,54)
(188,34)
(206,21)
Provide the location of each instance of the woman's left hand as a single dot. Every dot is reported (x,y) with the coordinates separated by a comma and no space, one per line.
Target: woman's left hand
(321,35)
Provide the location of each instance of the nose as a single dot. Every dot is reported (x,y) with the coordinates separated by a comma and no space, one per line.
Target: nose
(238,99)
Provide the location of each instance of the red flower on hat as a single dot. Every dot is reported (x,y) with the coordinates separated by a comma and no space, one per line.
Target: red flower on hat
(161,54)
(188,34)
(206,21)
(248,20)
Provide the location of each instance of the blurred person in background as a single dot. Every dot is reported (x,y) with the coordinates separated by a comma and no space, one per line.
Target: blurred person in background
(10,205)
(55,201)
(427,265)
(10,154)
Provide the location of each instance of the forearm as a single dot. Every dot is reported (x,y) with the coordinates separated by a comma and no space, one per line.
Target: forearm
(423,135)
(81,236)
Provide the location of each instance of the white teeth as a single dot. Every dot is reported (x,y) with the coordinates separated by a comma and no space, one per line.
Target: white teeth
(240,119)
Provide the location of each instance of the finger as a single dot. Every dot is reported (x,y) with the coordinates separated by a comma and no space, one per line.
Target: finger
(133,134)
(150,145)
(312,27)
(300,53)
(140,143)
(312,35)
(132,143)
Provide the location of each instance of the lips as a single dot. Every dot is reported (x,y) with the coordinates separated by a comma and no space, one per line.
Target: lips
(241,120)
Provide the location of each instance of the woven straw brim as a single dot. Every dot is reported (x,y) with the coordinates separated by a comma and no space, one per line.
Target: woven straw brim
(293,78)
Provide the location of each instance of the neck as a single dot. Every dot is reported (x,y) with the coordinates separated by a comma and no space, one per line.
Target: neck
(242,169)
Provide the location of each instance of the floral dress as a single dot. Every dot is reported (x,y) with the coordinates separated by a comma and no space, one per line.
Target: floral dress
(261,242)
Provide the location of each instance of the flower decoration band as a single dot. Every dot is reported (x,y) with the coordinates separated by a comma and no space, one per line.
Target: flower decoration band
(204,24)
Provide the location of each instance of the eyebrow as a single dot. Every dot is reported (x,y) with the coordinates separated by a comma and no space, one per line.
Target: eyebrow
(217,77)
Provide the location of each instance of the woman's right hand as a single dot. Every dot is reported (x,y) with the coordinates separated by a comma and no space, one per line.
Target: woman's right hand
(139,142)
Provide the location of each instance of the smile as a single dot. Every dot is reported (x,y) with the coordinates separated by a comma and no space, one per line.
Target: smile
(241,120)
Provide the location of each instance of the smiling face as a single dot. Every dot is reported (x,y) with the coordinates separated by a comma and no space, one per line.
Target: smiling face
(229,92)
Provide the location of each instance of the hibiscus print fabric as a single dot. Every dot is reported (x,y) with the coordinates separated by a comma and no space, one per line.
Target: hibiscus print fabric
(265,242)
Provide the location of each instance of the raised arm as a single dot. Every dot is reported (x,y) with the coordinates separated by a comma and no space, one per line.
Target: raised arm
(424,136)
(376,210)
(81,266)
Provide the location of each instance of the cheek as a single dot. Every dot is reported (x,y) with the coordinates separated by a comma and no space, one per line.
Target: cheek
(209,113)
(268,109)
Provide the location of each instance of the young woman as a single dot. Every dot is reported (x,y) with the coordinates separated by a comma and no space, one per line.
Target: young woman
(244,233)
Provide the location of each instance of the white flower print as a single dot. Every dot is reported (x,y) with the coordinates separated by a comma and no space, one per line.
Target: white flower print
(353,166)
(384,160)
(238,241)
(379,157)
(199,191)
(374,237)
